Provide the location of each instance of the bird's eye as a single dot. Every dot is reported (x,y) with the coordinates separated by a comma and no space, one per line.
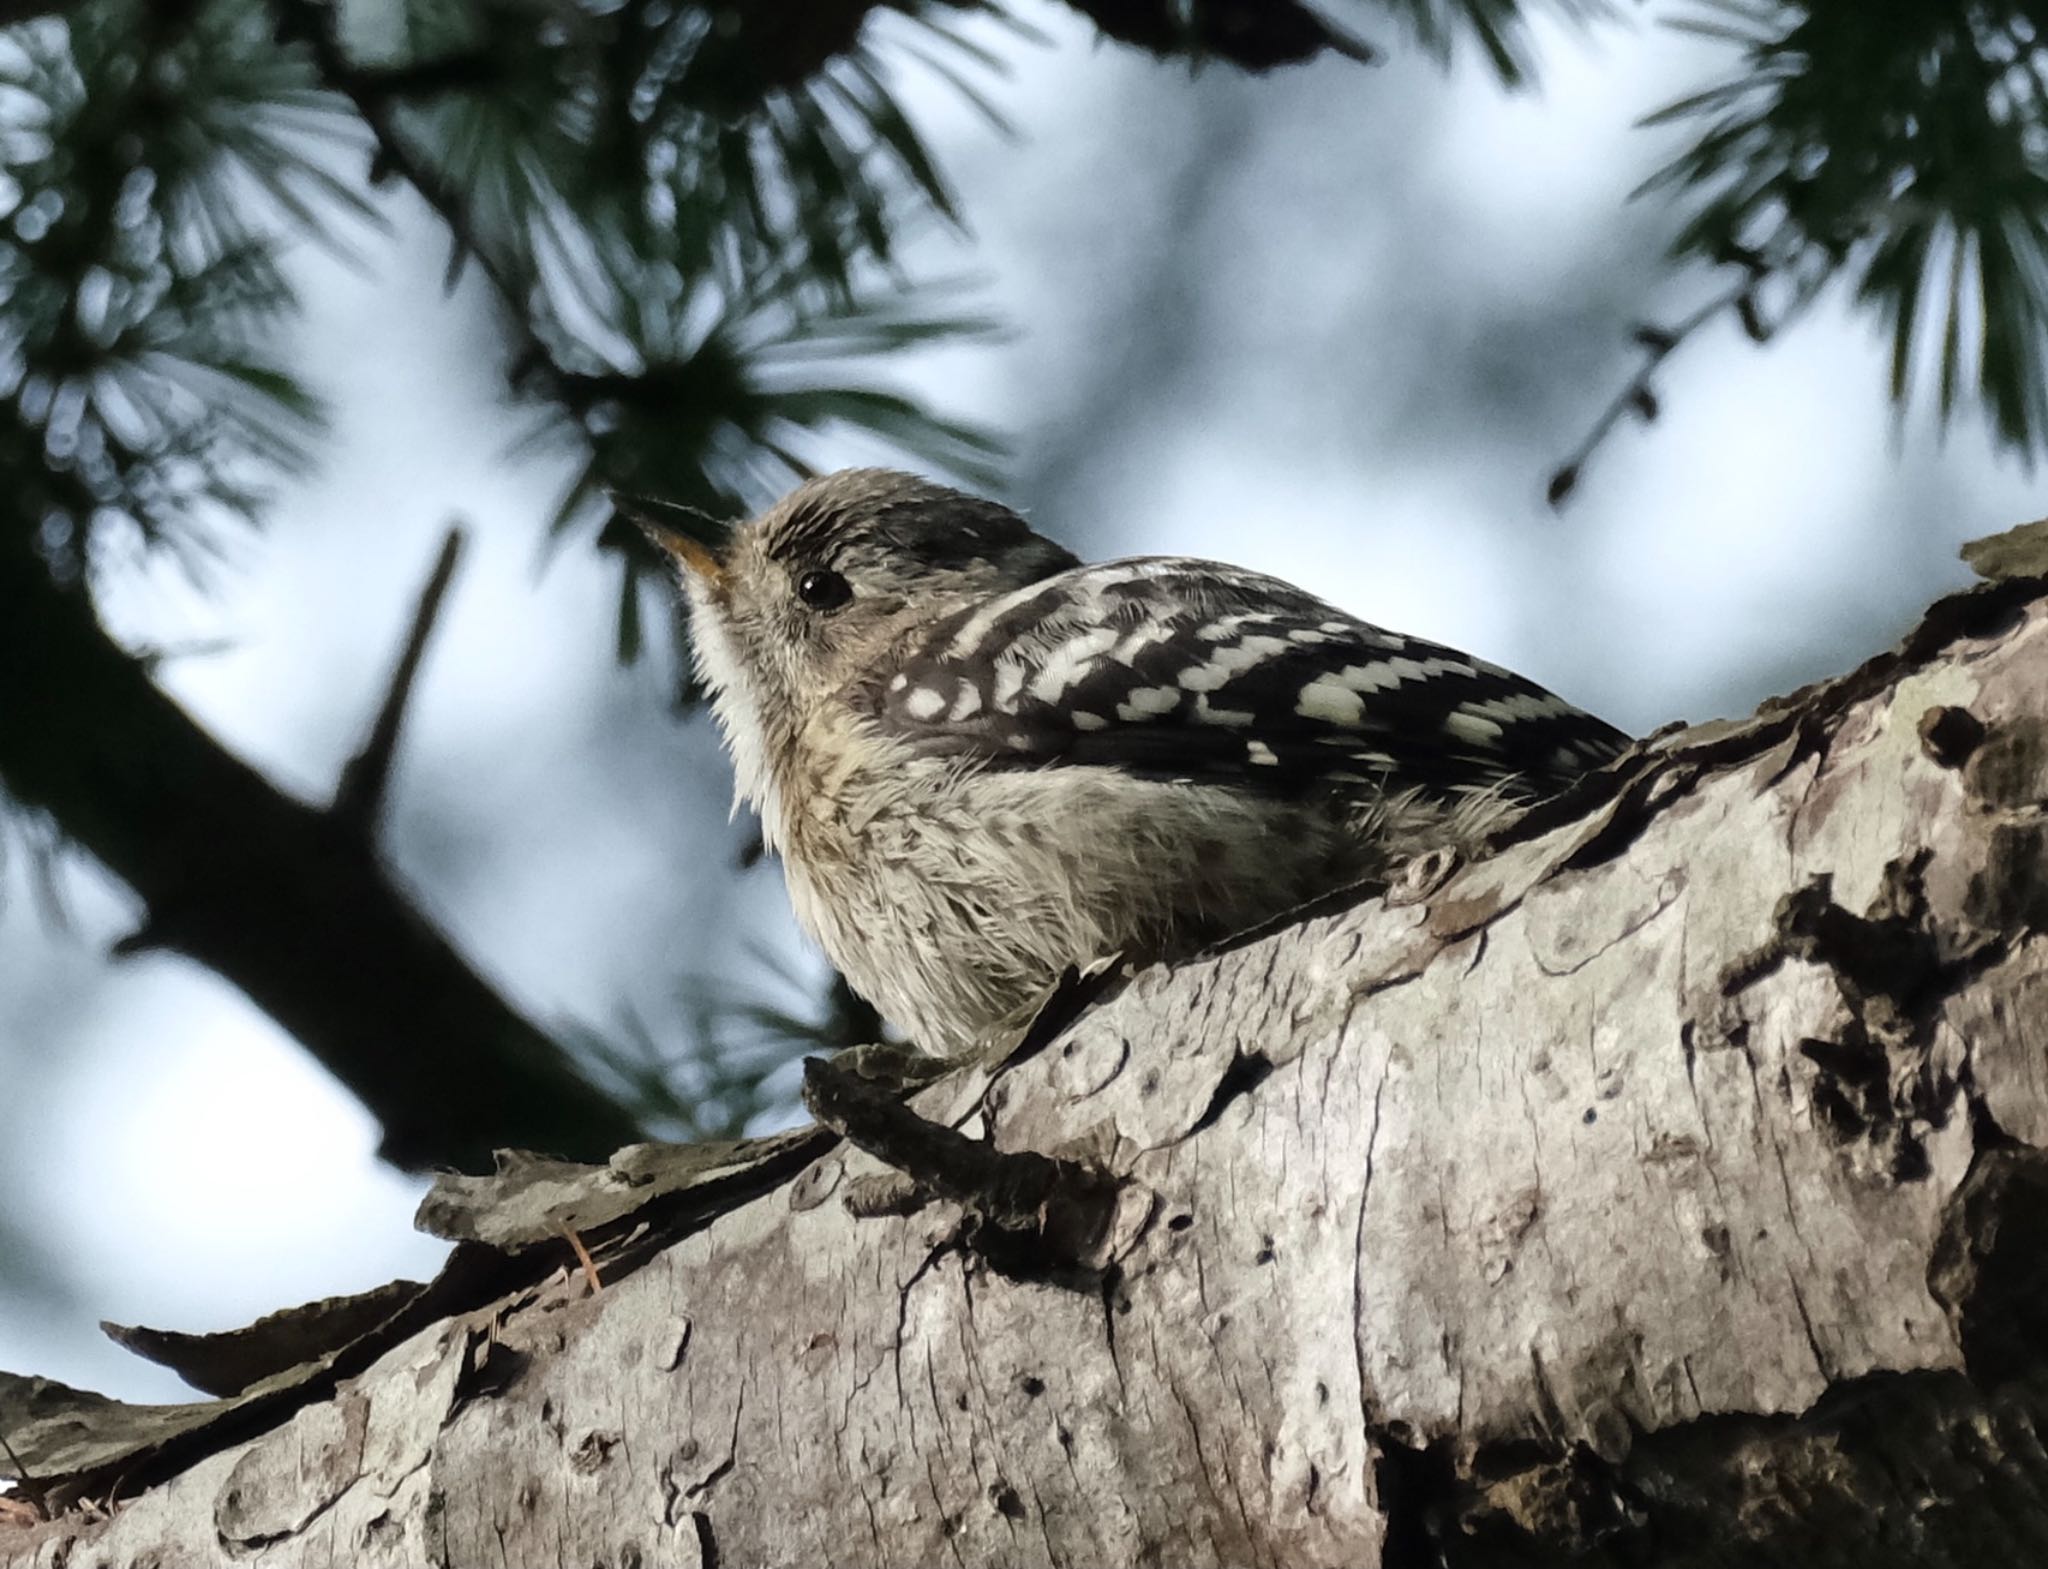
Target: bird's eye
(823,590)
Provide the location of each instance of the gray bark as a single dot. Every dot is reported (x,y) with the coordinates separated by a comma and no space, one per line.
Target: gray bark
(1666,1187)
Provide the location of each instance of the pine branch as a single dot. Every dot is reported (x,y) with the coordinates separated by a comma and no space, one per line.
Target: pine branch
(15,12)
(281,899)
(1638,396)
(1902,158)
(377,96)
(1255,35)
(462,70)
(359,797)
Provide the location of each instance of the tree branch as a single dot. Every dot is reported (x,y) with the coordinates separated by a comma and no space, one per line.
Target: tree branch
(359,797)
(285,901)
(14,12)
(376,100)
(1256,35)
(1666,1187)
(1638,396)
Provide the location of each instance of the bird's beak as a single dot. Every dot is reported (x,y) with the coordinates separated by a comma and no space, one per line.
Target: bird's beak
(663,524)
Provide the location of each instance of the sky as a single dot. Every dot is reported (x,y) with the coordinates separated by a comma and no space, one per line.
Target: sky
(1336,323)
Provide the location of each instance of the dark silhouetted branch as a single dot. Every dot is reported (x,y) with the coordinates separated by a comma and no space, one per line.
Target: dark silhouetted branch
(278,897)
(1638,397)
(15,12)
(1257,35)
(360,795)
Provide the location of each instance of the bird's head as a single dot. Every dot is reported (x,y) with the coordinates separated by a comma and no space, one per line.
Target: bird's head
(790,608)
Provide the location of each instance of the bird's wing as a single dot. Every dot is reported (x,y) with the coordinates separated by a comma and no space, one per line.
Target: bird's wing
(1176,668)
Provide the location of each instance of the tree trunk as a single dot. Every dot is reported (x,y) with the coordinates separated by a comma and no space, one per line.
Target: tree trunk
(1666,1187)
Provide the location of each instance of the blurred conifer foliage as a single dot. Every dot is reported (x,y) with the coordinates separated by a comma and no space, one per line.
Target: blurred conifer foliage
(691,216)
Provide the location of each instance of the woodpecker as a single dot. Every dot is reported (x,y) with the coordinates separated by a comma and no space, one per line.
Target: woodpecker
(982,761)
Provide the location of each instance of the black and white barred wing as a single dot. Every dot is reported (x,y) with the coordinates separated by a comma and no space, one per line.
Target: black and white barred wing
(1184,669)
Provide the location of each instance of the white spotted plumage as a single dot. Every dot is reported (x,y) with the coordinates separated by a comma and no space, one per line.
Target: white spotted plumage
(985,761)
(1164,653)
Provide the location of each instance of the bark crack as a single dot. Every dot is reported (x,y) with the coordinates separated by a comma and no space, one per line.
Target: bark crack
(1820,1357)
(1359,1317)
(932,1256)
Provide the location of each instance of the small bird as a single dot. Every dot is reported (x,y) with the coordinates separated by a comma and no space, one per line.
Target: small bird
(983,762)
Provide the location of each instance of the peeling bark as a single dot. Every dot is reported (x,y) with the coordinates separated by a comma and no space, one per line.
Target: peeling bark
(1667,1187)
